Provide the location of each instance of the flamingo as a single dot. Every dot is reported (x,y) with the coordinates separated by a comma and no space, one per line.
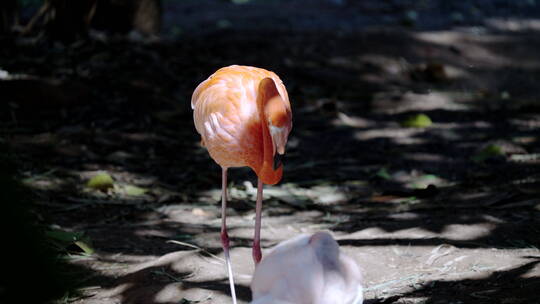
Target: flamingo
(308,269)
(244,118)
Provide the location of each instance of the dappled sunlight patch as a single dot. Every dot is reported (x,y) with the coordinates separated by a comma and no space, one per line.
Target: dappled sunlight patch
(445,38)
(149,232)
(169,278)
(182,293)
(176,261)
(169,293)
(416,179)
(492,219)
(189,211)
(366,233)
(533,272)
(321,194)
(527,124)
(290,193)
(211,195)
(289,225)
(408,269)
(513,25)
(343,119)
(427,157)
(124,258)
(114,291)
(387,103)
(404,216)
(464,232)
(406,134)
(476,50)
(410,233)
(373,68)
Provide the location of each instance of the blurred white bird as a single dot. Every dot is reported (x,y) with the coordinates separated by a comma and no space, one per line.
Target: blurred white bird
(308,269)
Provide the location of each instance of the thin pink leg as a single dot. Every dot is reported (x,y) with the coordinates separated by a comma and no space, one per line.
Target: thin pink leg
(257,255)
(224,235)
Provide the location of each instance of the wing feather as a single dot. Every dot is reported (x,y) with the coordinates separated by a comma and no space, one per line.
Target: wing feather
(225,104)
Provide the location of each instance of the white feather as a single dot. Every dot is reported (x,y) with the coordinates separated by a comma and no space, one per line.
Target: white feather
(307,270)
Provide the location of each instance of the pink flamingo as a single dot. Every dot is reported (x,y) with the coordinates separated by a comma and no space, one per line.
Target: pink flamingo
(307,270)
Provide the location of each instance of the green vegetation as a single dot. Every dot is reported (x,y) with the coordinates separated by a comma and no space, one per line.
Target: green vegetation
(417,121)
(489,151)
(64,240)
(102,181)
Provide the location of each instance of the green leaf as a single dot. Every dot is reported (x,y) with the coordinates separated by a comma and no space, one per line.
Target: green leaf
(85,247)
(488,152)
(64,236)
(134,190)
(424,181)
(63,239)
(102,181)
(417,121)
(383,173)
(429,177)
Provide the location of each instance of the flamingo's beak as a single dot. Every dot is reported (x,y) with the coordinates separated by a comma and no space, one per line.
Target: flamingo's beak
(277,160)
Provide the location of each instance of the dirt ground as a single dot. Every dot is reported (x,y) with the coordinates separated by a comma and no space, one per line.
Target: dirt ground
(447,213)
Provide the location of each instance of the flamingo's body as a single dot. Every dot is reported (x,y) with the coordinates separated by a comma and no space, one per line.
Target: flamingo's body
(307,270)
(236,113)
(244,117)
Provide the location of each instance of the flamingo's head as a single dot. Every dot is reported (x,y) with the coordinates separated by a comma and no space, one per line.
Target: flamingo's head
(276,116)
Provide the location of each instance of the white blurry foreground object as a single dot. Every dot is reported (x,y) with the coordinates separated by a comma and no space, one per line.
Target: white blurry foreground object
(308,269)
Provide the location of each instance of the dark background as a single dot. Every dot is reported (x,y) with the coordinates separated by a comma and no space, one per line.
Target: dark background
(103,87)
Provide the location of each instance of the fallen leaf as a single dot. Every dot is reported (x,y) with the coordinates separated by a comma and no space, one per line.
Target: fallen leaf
(490,151)
(63,239)
(383,173)
(101,181)
(134,190)
(417,121)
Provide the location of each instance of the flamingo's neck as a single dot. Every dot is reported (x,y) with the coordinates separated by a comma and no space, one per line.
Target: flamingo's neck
(267,91)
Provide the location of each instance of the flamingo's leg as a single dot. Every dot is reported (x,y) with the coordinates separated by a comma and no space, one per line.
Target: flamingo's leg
(224,235)
(256,252)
